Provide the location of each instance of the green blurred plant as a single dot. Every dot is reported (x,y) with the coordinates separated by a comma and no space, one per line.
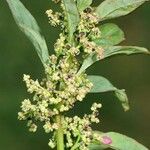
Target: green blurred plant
(83,41)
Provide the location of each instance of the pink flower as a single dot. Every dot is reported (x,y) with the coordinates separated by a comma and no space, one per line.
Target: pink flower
(106,140)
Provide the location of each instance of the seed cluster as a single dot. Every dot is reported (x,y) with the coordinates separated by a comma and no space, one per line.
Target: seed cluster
(63,87)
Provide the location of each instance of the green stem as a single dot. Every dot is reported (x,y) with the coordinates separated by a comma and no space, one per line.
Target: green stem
(59,133)
(76,145)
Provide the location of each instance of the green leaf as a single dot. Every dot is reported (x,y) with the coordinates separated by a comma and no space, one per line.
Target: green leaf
(111,51)
(101,84)
(128,50)
(116,8)
(122,96)
(83,4)
(97,147)
(88,61)
(111,35)
(120,142)
(29,26)
(72,17)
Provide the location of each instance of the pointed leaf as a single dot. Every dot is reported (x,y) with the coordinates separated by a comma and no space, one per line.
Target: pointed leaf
(122,96)
(121,142)
(72,17)
(116,8)
(128,50)
(111,35)
(110,51)
(29,26)
(83,4)
(101,84)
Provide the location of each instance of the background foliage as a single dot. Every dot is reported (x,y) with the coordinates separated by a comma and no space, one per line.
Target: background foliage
(132,73)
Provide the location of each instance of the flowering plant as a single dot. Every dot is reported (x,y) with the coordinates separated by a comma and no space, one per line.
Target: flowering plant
(83,41)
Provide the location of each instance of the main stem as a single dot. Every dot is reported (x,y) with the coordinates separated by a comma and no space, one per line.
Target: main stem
(59,118)
(59,133)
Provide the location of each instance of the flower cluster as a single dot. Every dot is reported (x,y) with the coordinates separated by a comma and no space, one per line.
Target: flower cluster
(55,94)
(54,18)
(49,101)
(62,87)
(88,22)
(77,130)
(87,31)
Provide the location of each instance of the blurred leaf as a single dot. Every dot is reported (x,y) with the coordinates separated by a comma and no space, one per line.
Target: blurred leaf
(101,84)
(72,17)
(83,4)
(111,51)
(111,35)
(120,142)
(29,26)
(122,96)
(115,8)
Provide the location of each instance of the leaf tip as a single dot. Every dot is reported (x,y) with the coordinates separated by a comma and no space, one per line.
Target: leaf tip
(148,52)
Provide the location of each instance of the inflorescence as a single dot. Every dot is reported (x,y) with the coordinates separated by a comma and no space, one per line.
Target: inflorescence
(62,87)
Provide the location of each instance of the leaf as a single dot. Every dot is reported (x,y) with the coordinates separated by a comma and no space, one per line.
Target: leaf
(83,4)
(128,50)
(122,96)
(97,147)
(111,51)
(101,84)
(29,26)
(116,8)
(111,35)
(88,61)
(72,17)
(120,142)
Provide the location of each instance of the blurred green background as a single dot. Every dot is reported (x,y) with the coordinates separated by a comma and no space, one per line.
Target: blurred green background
(17,56)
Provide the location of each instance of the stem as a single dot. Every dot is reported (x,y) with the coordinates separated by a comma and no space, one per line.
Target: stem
(76,145)
(59,133)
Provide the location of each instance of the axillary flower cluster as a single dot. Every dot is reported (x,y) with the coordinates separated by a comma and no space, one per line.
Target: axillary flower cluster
(62,87)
